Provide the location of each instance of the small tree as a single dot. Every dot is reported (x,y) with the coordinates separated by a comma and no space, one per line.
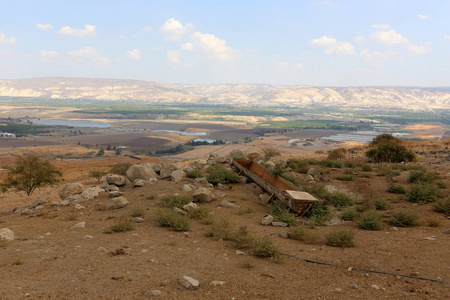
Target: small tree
(101,152)
(97,174)
(118,151)
(30,173)
(386,148)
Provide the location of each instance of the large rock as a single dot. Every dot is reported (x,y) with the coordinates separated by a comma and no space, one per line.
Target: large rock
(116,203)
(198,164)
(117,180)
(187,187)
(203,195)
(267,220)
(189,282)
(6,234)
(269,165)
(71,189)
(236,154)
(91,192)
(144,172)
(167,171)
(177,175)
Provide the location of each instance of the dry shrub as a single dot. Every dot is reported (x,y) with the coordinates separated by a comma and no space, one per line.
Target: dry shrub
(173,220)
(303,234)
(338,153)
(270,151)
(340,238)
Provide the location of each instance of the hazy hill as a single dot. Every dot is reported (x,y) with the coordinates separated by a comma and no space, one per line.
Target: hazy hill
(415,98)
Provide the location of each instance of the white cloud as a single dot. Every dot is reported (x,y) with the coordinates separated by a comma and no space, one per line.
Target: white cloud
(3,51)
(187,47)
(134,54)
(45,27)
(48,55)
(392,37)
(211,46)
(380,26)
(7,40)
(333,46)
(376,57)
(89,30)
(90,53)
(418,49)
(299,66)
(173,56)
(174,30)
(147,28)
(447,37)
(360,39)
(423,17)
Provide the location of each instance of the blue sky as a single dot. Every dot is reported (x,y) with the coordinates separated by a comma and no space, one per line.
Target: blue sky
(314,42)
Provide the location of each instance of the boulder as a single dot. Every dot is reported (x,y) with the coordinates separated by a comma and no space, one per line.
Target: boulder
(188,169)
(190,206)
(138,183)
(267,220)
(26,212)
(116,203)
(112,188)
(144,172)
(6,234)
(312,171)
(167,171)
(236,154)
(198,163)
(187,188)
(160,166)
(115,194)
(177,175)
(79,207)
(269,165)
(212,160)
(91,192)
(189,282)
(203,195)
(71,189)
(117,180)
(202,181)
(37,203)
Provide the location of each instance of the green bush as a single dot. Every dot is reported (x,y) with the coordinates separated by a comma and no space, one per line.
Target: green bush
(289,177)
(396,188)
(340,238)
(97,174)
(319,213)
(443,206)
(317,189)
(298,165)
(220,230)
(349,214)
(173,220)
(282,213)
(196,173)
(380,204)
(422,193)
(421,177)
(243,239)
(370,220)
(124,224)
(266,249)
(366,168)
(338,153)
(199,213)
(174,201)
(404,218)
(386,148)
(340,199)
(303,234)
(219,174)
(137,212)
(441,185)
(344,177)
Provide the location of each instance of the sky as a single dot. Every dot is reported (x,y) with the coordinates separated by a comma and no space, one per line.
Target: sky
(303,42)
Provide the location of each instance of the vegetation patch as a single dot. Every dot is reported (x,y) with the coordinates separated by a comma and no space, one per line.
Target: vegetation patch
(243,239)
(199,213)
(344,177)
(421,177)
(319,213)
(370,220)
(282,213)
(266,249)
(349,214)
(404,218)
(125,224)
(443,206)
(173,220)
(174,201)
(137,212)
(340,238)
(220,230)
(422,193)
(387,148)
(396,188)
(220,174)
(380,204)
(340,199)
(196,173)
(120,168)
(303,234)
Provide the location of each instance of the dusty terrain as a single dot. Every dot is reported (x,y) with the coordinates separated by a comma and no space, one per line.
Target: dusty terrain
(49,260)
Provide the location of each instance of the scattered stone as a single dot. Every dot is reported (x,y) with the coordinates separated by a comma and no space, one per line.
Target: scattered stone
(243,179)
(446,232)
(167,171)
(189,283)
(179,210)
(186,234)
(202,181)
(112,188)
(393,229)
(198,164)
(26,212)
(91,192)
(222,187)
(430,238)
(187,188)
(227,204)
(117,180)
(37,203)
(153,293)
(177,175)
(216,283)
(88,237)
(312,171)
(39,207)
(353,286)
(239,252)
(309,178)
(79,207)
(165,282)
(64,203)
(267,220)
(143,251)
(269,164)
(115,194)
(212,160)
(203,195)
(73,198)
(188,169)
(280,224)
(284,234)
(138,183)
(190,206)
(116,203)
(79,225)
(144,172)
(6,234)
(264,198)
(375,286)
(71,189)
(101,249)
(139,220)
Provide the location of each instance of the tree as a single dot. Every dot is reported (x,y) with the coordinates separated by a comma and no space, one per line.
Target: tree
(386,148)
(97,174)
(118,151)
(101,152)
(30,173)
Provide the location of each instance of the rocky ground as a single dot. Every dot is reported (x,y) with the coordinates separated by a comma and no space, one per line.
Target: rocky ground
(67,247)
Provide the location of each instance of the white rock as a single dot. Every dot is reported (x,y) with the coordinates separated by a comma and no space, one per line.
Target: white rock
(239,252)
(88,237)
(6,234)
(79,207)
(116,203)
(79,225)
(117,180)
(187,188)
(216,283)
(177,175)
(189,283)
(138,183)
(267,220)
(91,192)
(71,189)
(153,293)
(203,195)
(190,206)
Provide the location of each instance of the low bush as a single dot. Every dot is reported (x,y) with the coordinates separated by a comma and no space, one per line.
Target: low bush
(380,204)
(433,222)
(219,174)
(338,153)
(420,176)
(97,174)
(370,220)
(137,212)
(441,185)
(386,148)
(282,213)
(243,239)
(443,206)
(340,199)
(199,213)
(303,234)
(319,213)
(340,238)
(298,165)
(196,173)
(289,177)
(124,224)
(344,177)
(173,220)
(174,201)
(120,168)
(404,218)
(396,188)
(220,230)
(266,249)
(270,152)
(317,189)
(366,168)
(422,193)
(3,244)
(349,214)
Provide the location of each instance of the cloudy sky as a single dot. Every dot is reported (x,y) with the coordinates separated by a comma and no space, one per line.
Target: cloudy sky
(303,42)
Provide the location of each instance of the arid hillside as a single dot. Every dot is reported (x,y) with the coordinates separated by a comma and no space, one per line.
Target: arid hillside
(254,95)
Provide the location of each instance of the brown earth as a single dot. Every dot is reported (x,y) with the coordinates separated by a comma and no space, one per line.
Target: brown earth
(48,260)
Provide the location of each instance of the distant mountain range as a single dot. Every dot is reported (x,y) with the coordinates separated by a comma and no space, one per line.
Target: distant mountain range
(259,95)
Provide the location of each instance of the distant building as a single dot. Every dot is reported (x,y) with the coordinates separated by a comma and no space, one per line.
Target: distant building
(7,135)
